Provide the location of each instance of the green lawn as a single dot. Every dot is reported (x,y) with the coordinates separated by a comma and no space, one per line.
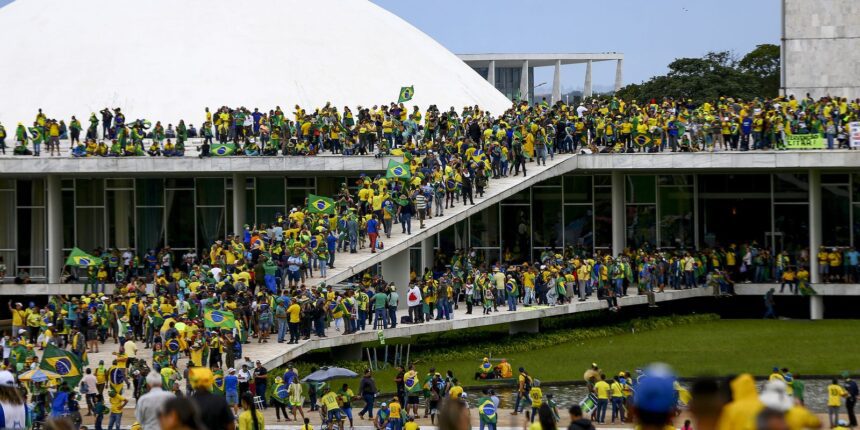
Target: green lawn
(713,348)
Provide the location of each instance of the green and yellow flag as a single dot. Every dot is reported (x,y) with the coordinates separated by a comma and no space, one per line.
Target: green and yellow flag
(62,362)
(398,170)
(320,205)
(79,258)
(406,94)
(213,318)
(223,149)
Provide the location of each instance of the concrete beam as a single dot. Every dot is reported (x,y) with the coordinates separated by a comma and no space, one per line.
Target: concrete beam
(619,74)
(491,73)
(524,81)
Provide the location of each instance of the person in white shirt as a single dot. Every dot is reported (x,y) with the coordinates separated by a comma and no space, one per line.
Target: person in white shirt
(149,405)
(90,388)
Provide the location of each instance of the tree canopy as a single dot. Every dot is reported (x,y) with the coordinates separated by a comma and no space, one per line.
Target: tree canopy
(714,75)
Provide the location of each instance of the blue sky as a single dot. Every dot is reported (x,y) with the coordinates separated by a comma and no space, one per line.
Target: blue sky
(650,33)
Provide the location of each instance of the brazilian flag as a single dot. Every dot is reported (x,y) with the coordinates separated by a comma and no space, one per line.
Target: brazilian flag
(219,319)
(487,410)
(320,205)
(398,170)
(79,258)
(173,346)
(221,149)
(62,362)
(406,94)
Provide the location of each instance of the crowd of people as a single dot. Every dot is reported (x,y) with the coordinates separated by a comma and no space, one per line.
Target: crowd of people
(604,124)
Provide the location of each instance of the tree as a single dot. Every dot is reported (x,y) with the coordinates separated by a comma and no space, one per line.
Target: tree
(710,77)
(763,63)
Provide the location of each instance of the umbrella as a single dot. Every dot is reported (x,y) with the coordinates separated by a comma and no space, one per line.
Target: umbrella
(329,373)
(38,375)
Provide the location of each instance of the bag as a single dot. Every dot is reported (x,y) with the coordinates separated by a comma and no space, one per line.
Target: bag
(744,268)
(406,319)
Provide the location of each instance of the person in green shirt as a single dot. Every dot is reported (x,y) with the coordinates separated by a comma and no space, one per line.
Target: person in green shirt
(380,304)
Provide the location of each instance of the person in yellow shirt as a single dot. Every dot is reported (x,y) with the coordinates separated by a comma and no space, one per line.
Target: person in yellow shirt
(616,394)
(331,408)
(394,415)
(835,393)
(602,390)
(117,403)
(294,311)
(250,418)
(835,260)
(19,317)
(536,399)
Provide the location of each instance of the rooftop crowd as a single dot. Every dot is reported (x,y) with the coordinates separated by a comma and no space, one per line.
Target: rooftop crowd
(604,124)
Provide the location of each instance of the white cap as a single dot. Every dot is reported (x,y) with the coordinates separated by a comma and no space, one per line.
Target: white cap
(21,330)
(231,370)
(7,379)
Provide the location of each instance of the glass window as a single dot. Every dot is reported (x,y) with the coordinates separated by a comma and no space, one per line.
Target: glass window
(835,178)
(547,221)
(300,182)
(297,198)
(488,256)
(31,192)
(555,181)
(120,215)
(641,225)
(675,179)
(640,189)
(210,225)
(855,189)
(835,223)
(857,225)
(454,237)
(120,183)
(484,227)
(579,227)
(267,215)
(602,180)
(31,238)
(179,183)
(676,217)
(270,191)
(150,192)
(7,220)
(523,196)
(89,192)
(7,184)
(180,223)
(790,187)
(68,197)
(736,184)
(602,217)
(791,227)
(516,236)
(150,229)
(89,228)
(577,189)
(210,191)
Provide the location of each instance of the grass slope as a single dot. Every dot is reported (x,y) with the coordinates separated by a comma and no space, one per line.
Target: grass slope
(712,348)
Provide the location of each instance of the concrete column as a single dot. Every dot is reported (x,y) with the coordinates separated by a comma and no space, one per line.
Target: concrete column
(524,81)
(396,269)
(619,74)
(556,82)
(491,73)
(524,326)
(55,228)
(239,203)
(816,307)
(814,224)
(586,91)
(428,251)
(618,215)
(123,237)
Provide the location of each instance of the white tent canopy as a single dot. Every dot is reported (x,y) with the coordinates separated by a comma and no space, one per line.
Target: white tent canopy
(169,59)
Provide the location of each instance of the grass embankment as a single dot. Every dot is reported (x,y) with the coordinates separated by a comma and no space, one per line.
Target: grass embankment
(692,345)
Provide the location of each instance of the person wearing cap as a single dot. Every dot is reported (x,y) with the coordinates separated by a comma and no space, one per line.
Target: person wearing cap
(218,414)
(655,402)
(19,316)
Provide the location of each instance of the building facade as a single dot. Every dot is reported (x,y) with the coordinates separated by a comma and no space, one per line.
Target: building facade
(588,209)
(820,54)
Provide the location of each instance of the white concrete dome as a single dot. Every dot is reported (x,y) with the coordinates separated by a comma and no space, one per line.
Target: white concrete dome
(169,59)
